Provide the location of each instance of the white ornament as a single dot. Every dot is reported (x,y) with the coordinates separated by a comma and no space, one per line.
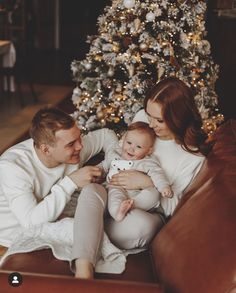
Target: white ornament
(110,72)
(143,46)
(129,3)
(76,91)
(88,65)
(150,16)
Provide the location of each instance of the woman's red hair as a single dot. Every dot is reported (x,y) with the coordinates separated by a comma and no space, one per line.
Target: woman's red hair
(180,113)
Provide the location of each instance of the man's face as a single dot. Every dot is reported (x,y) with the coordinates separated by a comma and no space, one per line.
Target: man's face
(67,146)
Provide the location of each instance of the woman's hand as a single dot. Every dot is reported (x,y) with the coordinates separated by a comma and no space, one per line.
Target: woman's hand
(131,179)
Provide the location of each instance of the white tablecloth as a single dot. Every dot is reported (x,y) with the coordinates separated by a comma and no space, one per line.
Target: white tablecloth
(9,59)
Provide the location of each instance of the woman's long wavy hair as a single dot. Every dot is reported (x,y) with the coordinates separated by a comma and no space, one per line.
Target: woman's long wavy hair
(180,113)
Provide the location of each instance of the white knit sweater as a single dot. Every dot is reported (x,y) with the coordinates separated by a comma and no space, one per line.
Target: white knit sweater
(31,193)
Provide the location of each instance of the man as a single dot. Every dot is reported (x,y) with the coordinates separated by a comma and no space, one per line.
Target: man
(38,177)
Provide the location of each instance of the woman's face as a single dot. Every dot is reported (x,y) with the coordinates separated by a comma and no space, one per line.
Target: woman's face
(155,118)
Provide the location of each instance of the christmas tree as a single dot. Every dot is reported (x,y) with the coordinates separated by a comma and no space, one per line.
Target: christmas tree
(138,43)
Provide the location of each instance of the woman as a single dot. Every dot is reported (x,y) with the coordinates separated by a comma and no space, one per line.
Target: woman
(170,110)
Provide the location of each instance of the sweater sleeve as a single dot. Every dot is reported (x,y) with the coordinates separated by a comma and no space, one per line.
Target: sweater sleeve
(187,174)
(153,169)
(95,141)
(140,116)
(18,187)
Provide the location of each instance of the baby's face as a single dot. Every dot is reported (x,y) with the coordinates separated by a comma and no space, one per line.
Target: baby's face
(136,145)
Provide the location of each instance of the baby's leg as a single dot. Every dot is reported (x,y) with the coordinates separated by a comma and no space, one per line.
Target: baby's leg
(124,208)
(115,198)
(147,199)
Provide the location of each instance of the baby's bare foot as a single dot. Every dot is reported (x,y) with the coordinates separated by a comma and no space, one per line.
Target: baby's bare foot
(124,208)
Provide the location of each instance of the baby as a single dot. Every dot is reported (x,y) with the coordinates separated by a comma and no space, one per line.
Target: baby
(135,153)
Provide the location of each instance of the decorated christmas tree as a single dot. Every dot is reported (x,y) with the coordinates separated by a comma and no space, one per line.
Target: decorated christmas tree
(138,43)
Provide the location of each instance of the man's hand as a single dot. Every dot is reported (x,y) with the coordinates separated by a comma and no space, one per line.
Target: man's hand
(85,175)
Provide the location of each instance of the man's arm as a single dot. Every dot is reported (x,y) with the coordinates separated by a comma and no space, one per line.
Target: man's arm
(18,188)
(95,141)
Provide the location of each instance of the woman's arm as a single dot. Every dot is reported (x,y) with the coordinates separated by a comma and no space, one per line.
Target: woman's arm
(131,179)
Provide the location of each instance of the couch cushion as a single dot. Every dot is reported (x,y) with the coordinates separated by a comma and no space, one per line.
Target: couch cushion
(225,142)
(138,267)
(196,252)
(45,283)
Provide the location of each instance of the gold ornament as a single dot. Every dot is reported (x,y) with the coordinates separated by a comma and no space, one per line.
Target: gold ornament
(115,47)
(109,110)
(100,115)
(137,24)
(196,38)
(116,119)
(98,57)
(137,57)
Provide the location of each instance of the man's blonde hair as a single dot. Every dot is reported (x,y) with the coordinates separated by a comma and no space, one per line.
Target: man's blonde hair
(46,123)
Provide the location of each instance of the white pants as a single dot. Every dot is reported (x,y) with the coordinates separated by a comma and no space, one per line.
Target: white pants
(136,230)
(88,223)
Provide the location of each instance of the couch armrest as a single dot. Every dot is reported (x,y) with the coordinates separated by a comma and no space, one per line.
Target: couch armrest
(39,283)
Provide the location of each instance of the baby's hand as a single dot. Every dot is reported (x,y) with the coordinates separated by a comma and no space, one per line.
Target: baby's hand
(167,192)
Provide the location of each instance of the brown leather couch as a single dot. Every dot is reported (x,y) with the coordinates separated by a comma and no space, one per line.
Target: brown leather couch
(195,252)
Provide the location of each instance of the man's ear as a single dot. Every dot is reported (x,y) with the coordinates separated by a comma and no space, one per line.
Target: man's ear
(45,149)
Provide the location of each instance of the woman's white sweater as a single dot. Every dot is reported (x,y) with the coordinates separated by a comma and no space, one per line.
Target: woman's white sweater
(179,165)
